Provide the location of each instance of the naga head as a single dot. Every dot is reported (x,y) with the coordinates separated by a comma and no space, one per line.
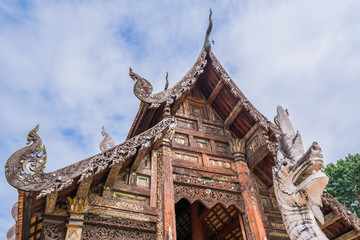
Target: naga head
(296,173)
(32,135)
(142,87)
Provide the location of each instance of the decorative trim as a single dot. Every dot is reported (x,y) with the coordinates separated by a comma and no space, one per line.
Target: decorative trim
(207,183)
(52,231)
(160,204)
(91,232)
(120,222)
(143,88)
(209,197)
(60,179)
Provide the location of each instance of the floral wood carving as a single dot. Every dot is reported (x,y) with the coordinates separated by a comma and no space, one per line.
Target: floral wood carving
(23,169)
(298,185)
(227,186)
(52,231)
(209,197)
(120,222)
(143,88)
(92,232)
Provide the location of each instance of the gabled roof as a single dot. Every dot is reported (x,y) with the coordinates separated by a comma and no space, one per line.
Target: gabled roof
(32,179)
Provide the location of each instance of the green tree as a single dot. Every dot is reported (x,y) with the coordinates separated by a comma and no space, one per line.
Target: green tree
(344,183)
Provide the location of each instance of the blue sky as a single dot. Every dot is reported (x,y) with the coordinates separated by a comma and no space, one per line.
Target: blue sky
(64,64)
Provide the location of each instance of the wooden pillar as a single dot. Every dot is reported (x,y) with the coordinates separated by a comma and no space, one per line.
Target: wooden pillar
(74,227)
(252,215)
(77,208)
(166,227)
(196,227)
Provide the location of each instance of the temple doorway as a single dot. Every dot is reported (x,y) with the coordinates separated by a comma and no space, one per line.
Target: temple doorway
(194,221)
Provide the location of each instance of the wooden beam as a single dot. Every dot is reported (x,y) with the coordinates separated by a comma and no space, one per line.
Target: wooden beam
(349,235)
(227,229)
(251,132)
(330,218)
(26,215)
(263,175)
(233,114)
(50,202)
(84,187)
(215,92)
(140,156)
(111,178)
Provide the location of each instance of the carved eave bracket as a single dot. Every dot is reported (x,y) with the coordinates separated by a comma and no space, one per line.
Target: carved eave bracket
(24,168)
(143,88)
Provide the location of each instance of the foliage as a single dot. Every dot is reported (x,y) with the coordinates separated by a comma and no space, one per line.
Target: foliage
(344,183)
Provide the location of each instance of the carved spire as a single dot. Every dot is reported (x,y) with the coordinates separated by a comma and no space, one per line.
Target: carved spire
(207,43)
(107,142)
(167,81)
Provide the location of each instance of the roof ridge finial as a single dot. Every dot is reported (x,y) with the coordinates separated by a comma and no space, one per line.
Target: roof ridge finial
(207,44)
(167,81)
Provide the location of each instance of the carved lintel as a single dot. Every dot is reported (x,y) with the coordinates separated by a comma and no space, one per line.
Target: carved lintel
(50,202)
(233,114)
(215,92)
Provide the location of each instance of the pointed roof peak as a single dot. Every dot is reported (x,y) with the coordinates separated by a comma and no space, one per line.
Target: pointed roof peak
(207,43)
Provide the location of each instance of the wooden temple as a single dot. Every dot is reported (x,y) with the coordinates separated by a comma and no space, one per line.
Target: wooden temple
(197,164)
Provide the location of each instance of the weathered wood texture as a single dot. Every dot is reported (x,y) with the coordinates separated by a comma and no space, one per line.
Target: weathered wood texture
(251,205)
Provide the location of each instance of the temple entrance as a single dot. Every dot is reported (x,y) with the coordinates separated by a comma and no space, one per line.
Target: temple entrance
(197,222)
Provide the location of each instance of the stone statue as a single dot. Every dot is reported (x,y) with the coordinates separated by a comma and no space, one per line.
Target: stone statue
(298,183)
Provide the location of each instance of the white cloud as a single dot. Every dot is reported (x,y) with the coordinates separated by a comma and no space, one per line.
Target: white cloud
(65,65)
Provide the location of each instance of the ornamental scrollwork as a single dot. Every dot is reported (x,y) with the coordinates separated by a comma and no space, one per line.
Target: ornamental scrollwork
(29,177)
(92,232)
(209,197)
(52,231)
(120,222)
(208,183)
(143,88)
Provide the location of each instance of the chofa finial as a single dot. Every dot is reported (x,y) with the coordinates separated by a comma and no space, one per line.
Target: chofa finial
(207,44)
(167,81)
(107,142)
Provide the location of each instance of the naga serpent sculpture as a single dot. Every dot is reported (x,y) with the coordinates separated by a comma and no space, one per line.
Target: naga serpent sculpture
(298,183)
